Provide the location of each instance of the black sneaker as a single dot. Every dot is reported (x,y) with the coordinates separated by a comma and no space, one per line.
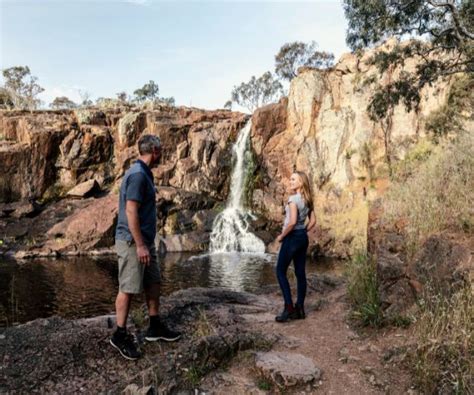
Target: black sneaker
(286,316)
(161,332)
(127,346)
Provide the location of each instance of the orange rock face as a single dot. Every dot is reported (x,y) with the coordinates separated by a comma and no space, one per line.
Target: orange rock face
(45,154)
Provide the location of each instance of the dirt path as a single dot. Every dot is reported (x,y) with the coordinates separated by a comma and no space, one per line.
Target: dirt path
(351,363)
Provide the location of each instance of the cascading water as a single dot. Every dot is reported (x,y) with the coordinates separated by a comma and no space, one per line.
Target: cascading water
(230,230)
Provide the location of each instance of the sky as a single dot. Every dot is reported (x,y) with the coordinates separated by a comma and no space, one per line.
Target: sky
(196,51)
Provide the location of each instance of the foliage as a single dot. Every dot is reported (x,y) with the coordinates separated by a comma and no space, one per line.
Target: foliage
(22,87)
(108,102)
(444,44)
(444,352)
(122,96)
(85,98)
(149,91)
(194,375)
(413,159)
(203,325)
(257,92)
(264,384)
(6,100)
(149,94)
(363,291)
(366,160)
(167,101)
(436,193)
(62,102)
(139,317)
(298,54)
(459,108)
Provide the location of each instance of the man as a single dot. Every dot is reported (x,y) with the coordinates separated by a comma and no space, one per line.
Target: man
(135,245)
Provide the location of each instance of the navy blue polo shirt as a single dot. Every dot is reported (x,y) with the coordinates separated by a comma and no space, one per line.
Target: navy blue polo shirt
(138,185)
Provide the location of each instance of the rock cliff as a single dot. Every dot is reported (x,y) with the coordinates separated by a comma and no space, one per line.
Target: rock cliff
(54,158)
(323,128)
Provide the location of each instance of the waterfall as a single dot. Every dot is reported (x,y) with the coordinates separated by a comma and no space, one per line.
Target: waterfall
(230,229)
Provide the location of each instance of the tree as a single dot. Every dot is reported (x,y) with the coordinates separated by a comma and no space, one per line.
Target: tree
(62,102)
(168,101)
(6,101)
(441,40)
(107,102)
(122,96)
(148,91)
(442,35)
(22,87)
(228,105)
(298,54)
(85,98)
(257,92)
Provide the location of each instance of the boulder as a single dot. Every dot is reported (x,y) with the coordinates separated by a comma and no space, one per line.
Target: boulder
(287,369)
(20,209)
(87,228)
(187,242)
(85,189)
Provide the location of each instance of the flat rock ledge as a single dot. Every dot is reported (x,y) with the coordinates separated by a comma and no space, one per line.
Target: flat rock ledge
(287,369)
(59,356)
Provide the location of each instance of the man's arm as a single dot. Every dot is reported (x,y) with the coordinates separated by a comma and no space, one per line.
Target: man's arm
(131,210)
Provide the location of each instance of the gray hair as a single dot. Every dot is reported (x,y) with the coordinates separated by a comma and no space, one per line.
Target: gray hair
(148,143)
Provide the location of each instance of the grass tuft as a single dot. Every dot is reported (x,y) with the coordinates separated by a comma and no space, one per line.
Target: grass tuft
(363,292)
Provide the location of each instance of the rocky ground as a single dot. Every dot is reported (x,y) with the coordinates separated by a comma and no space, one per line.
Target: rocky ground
(231,344)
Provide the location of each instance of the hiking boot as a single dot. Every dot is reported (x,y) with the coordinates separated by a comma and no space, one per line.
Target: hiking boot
(300,314)
(161,332)
(289,313)
(127,346)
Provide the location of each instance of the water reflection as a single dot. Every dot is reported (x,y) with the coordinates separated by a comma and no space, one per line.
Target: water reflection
(82,287)
(40,288)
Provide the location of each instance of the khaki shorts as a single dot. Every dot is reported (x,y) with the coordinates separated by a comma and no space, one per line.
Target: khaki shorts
(133,275)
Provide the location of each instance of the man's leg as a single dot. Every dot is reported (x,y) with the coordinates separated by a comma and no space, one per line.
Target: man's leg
(130,282)
(122,307)
(152,295)
(157,330)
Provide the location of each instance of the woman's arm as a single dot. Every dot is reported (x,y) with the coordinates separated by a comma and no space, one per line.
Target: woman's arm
(312,221)
(291,223)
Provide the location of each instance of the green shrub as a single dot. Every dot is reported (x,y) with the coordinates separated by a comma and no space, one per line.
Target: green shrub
(363,292)
(264,384)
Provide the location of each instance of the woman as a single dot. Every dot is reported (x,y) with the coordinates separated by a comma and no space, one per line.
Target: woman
(294,239)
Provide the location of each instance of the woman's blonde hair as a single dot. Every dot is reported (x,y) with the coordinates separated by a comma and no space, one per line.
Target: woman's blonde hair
(306,189)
